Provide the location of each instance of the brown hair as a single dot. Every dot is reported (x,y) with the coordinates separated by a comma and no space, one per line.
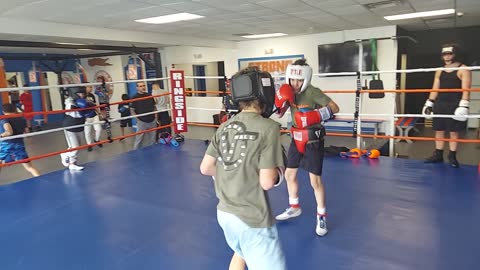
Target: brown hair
(250,104)
(301,62)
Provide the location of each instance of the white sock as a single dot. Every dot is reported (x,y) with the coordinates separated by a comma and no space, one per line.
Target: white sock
(321,211)
(294,202)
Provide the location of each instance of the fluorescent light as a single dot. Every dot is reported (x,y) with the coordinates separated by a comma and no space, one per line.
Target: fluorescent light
(170,18)
(420,14)
(68,43)
(265,35)
(84,49)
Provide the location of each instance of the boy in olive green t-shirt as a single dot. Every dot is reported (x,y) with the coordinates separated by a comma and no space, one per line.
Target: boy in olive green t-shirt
(244,157)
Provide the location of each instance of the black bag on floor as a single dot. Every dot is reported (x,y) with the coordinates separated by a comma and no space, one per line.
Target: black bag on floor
(335,150)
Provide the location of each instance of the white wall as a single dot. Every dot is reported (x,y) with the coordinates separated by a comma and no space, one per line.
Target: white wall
(211,69)
(194,55)
(214,104)
(308,46)
(52,79)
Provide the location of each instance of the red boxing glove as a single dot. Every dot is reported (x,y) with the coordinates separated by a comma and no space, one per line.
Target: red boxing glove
(304,119)
(283,98)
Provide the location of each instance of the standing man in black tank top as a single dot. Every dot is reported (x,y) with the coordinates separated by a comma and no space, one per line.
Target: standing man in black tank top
(449,103)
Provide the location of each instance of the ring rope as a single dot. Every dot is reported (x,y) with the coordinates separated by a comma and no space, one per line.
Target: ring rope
(366,135)
(28,88)
(80,109)
(224,92)
(222,77)
(388,71)
(80,147)
(204,77)
(77,126)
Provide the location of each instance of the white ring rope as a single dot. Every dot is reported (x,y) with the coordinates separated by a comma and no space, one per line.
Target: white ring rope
(388,71)
(420,70)
(77,126)
(223,77)
(28,88)
(474,116)
(205,109)
(205,77)
(368,114)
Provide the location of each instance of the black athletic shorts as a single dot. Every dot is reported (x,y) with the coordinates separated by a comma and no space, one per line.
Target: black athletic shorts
(312,160)
(447,124)
(126,123)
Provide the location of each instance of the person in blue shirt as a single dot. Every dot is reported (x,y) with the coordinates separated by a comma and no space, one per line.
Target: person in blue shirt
(14,149)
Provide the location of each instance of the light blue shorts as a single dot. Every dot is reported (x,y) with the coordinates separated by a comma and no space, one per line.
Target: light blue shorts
(259,247)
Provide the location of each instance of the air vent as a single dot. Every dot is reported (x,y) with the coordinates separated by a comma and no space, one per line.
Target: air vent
(384,4)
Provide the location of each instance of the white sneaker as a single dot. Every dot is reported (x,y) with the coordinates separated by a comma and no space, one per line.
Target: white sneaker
(321,229)
(73,167)
(290,212)
(65,159)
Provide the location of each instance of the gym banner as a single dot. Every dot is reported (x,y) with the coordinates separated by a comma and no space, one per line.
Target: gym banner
(275,65)
(179,108)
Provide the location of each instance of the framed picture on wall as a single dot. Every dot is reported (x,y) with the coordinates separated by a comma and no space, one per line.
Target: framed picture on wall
(275,65)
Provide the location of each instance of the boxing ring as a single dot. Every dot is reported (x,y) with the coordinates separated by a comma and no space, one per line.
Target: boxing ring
(152,209)
(156,211)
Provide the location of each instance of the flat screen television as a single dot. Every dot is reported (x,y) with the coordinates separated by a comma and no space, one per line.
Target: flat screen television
(343,57)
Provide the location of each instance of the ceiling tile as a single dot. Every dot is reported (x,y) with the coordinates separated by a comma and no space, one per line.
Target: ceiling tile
(325,4)
(279,4)
(223,18)
(367,21)
(363,2)
(184,6)
(159,2)
(220,4)
(393,10)
(432,5)
(349,10)
(207,12)
(6,6)
(247,8)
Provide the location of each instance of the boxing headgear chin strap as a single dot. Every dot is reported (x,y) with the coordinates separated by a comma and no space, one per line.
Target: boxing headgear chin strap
(299,73)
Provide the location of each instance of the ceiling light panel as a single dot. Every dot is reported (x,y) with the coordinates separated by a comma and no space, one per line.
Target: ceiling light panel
(178,17)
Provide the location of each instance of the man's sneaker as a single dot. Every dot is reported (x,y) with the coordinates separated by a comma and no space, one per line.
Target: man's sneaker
(452,158)
(436,157)
(89,149)
(65,159)
(74,167)
(321,229)
(99,145)
(290,212)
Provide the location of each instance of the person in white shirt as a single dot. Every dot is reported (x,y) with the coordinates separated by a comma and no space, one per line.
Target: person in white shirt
(162,104)
(94,119)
